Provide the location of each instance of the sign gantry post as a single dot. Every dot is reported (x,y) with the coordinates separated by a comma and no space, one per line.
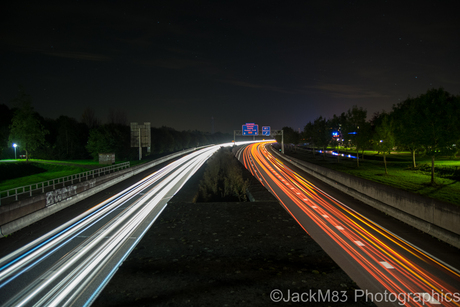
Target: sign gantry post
(279,132)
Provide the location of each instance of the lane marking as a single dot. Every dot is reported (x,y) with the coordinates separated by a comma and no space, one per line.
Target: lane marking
(427,298)
(386,265)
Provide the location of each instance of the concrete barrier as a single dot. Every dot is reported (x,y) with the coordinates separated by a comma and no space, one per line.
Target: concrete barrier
(437,218)
(20,214)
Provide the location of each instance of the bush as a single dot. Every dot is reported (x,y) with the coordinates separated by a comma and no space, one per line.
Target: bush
(449,172)
(223,179)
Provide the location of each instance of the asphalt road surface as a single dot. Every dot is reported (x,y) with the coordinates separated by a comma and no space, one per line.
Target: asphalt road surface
(70,265)
(390,270)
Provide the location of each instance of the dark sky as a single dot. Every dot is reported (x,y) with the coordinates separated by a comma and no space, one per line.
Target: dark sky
(179,63)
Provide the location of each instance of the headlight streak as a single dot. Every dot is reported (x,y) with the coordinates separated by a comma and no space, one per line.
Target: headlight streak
(101,235)
(72,229)
(77,268)
(391,268)
(115,268)
(121,197)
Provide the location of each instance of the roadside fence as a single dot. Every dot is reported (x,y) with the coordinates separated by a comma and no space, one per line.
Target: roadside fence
(61,182)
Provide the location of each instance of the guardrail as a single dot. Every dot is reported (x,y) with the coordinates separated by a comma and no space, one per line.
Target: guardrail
(62,181)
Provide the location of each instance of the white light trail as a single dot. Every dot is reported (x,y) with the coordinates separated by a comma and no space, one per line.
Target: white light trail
(63,282)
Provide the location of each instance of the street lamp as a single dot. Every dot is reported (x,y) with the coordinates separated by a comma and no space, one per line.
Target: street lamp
(15,145)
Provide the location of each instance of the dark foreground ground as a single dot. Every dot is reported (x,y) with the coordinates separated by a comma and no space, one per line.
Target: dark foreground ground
(226,254)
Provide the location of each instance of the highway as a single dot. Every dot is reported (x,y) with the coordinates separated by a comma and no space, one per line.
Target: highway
(70,265)
(389,270)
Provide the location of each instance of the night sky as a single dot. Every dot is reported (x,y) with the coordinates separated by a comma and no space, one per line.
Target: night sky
(180,63)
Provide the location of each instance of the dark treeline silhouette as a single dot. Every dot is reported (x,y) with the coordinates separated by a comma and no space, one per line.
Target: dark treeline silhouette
(425,125)
(66,138)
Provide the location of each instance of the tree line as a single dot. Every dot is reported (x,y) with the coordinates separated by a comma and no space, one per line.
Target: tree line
(428,124)
(66,138)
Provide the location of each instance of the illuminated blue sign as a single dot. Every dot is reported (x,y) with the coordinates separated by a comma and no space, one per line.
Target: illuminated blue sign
(266,130)
(250,129)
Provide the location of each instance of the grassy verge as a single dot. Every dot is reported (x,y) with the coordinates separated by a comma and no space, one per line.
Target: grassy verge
(18,173)
(48,172)
(88,163)
(400,172)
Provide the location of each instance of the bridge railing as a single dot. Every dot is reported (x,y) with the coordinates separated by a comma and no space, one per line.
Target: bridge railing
(62,181)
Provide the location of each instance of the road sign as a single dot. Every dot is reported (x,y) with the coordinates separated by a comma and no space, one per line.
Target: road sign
(266,130)
(250,129)
(140,137)
(142,132)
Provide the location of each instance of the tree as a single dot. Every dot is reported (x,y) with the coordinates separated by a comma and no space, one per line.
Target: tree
(89,118)
(71,138)
(26,130)
(437,116)
(336,126)
(364,138)
(406,126)
(110,138)
(321,133)
(308,132)
(166,139)
(6,116)
(290,136)
(384,137)
(117,117)
(356,129)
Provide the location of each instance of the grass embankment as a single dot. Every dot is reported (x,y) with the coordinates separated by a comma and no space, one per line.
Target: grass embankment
(400,172)
(18,174)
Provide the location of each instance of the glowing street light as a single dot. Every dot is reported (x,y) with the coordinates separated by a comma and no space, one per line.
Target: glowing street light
(15,145)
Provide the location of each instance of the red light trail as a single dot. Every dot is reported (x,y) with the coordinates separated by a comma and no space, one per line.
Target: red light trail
(388,263)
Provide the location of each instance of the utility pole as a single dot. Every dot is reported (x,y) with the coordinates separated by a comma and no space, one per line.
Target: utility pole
(282,142)
(140,147)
